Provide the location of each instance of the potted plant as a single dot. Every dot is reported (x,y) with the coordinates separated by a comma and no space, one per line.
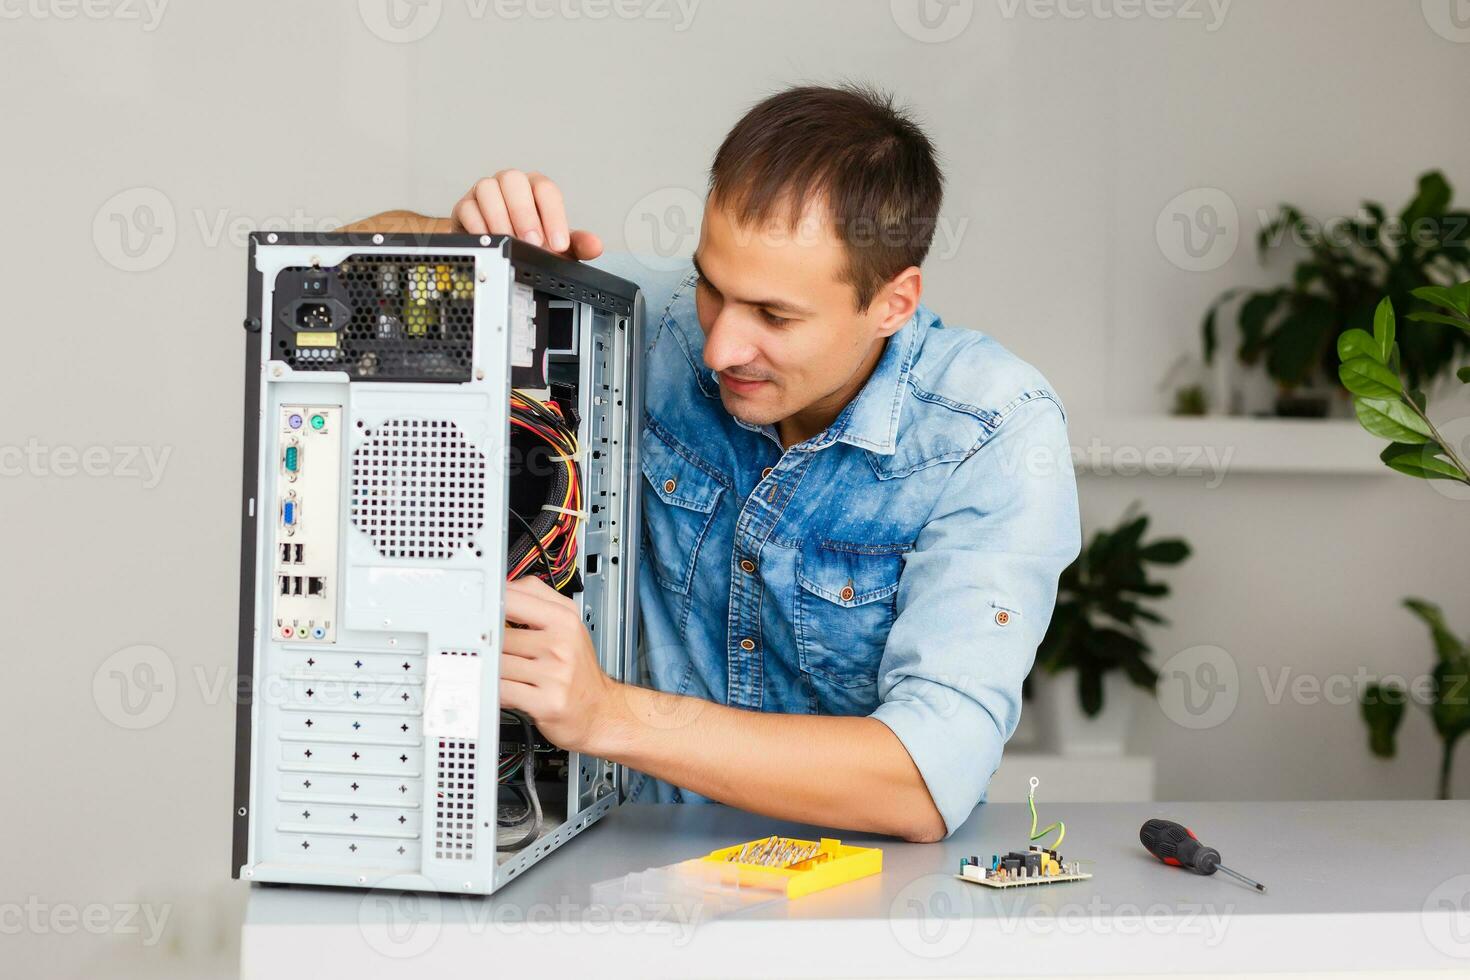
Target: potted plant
(1370,368)
(1096,632)
(1350,264)
(1448,697)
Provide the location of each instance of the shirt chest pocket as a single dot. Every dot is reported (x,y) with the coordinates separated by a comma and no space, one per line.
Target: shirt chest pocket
(678,507)
(846,602)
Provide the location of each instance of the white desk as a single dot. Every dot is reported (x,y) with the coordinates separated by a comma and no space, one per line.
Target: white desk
(1353,886)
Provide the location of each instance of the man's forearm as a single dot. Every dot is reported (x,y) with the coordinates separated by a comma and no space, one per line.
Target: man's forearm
(401,223)
(849,772)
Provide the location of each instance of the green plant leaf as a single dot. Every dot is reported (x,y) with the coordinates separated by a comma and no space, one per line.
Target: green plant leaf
(1090,689)
(1170,551)
(1303,335)
(1126,611)
(1424,461)
(1464,374)
(1433,197)
(1447,645)
(1449,321)
(1254,315)
(1456,298)
(1391,419)
(1367,378)
(1358,343)
(1383,328)
(1141,674)
(1115,647)
(1417,397)
(1451,710)
(1383,715)
(1211,335)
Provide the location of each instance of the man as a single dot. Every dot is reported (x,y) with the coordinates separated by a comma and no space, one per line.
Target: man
(854,517)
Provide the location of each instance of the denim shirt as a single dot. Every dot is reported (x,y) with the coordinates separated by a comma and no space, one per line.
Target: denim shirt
(901,564)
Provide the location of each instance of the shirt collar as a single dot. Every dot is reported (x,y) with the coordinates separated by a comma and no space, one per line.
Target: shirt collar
(870,420)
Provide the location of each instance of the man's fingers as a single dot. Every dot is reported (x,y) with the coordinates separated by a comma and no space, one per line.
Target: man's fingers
(491,204)
(522,697)
(553,211)
(531,585)
(585,245)
(467,216)
(523,605)
(528,644)
(515,188)
(520,670)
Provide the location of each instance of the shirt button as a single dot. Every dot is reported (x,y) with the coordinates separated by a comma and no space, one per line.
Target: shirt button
(669,486)
(747,566)
(1002,617)
(766,472)
(747,644)
(846,593)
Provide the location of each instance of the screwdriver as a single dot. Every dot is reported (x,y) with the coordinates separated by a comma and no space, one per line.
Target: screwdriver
(1175,844)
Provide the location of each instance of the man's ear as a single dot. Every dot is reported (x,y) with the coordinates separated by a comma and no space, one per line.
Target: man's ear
(898,299)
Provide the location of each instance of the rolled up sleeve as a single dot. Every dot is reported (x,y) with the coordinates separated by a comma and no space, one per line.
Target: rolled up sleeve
(974,601)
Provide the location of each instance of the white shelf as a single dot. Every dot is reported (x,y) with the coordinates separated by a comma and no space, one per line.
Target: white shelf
(1212,447)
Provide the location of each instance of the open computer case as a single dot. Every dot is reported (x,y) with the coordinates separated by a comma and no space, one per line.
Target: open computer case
(425,416)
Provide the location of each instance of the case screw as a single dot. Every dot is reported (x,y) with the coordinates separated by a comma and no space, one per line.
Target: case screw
(252,324)
(377,239)
(272,238)
(241,811)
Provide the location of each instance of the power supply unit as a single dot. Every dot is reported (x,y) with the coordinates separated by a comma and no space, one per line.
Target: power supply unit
(425,418)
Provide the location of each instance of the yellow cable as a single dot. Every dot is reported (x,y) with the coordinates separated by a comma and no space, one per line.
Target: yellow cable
(1059,827)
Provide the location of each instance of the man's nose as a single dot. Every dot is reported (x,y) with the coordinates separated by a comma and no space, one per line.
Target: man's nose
(727,344)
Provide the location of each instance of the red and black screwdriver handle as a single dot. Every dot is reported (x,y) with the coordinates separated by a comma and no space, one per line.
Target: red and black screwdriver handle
(1176,844)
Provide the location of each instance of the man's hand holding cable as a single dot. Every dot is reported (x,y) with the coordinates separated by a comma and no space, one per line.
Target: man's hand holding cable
(549,668)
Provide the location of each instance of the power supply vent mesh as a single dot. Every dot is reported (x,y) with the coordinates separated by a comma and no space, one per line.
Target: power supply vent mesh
(408,318)
(418,488)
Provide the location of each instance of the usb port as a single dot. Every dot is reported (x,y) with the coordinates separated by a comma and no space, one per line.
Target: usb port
(316,585)
(285,585)
(299,553)
(286,554)
(296,584)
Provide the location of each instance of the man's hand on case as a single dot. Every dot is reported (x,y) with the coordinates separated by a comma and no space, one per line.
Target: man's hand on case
(528,206)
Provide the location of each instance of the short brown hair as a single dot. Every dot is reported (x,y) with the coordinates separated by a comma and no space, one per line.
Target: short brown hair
(876,168)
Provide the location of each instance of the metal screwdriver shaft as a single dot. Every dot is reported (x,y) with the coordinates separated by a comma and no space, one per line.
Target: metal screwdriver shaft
(1176,845)
(1249,881)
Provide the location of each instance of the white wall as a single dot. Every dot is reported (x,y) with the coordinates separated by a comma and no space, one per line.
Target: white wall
(1064,139)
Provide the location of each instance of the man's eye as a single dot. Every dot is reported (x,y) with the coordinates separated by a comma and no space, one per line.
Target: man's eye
(773,319)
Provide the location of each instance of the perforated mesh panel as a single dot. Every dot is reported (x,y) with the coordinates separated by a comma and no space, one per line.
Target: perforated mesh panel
(454,795)
(418,488)
(411,318)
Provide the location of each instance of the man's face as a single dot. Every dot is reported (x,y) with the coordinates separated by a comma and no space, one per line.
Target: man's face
(781,325)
